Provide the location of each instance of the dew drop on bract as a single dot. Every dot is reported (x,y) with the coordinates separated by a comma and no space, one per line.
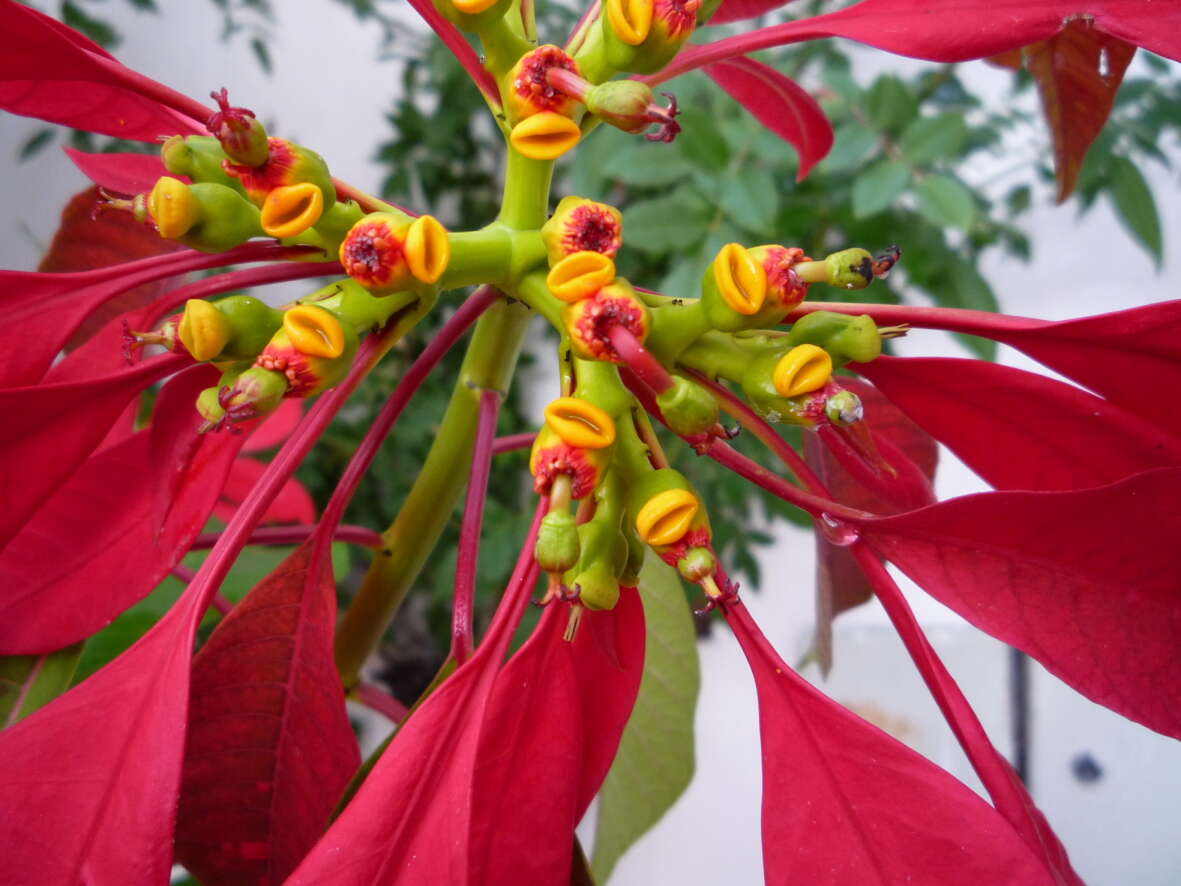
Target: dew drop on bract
(840,534)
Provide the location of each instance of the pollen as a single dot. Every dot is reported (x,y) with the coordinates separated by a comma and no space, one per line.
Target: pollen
(373,253)
(593,227)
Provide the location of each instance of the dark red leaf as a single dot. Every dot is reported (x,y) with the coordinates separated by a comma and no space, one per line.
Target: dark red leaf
(955,30)
(293,504)
(55,427)
(845,803)
(543,770)
(128,174)
(269,748)
(779,104)
(1078,72)
(51,72)
(1019,430)
(738,10)
(411,818)
(99,544)
(85,241)
(840,584)
(1084,581)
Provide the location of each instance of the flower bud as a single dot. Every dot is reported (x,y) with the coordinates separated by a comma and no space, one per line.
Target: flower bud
(527,90)
(597,586)
(552,456)
(557,547)
(696,564)
(687,407)
(312,349)
(241,135)
(580,423)
(734,289)
(581,225)
(545,136)
(200,157)
(802,370)
(845,338)
(580,275)
(588,321)
(257,391)
(208,217)
(644,35)
(629,105)
(166,336)
(386,253)
(287,164)
(203,330)
(233,328)
(849,269)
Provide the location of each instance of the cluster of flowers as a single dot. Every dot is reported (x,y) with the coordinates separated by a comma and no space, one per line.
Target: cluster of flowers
(488,776)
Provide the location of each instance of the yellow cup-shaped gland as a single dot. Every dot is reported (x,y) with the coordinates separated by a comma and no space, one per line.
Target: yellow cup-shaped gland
(173,208)
(580,423)
(631,20)
(204,330)
(666,517)
(471,7)
(803,369)
(290,210)
(314,331)
(545,136)
(427,249)
(579,275)
(740,278)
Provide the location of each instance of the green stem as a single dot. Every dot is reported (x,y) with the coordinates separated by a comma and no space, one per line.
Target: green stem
(525,206)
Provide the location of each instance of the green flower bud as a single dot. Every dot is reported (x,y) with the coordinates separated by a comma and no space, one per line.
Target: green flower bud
(697,563)
(200,158)
(597,586)
(849,268)
(472,15)
(844,337)
(558,547)
(251,323)
(207,217)
(688,408)
(844,408)
(257,391)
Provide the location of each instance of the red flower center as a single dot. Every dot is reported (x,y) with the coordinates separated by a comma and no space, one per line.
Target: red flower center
(592,229)
(530,82)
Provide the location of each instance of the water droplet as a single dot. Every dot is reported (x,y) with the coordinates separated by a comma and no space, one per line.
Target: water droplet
(483,59)
(840,534)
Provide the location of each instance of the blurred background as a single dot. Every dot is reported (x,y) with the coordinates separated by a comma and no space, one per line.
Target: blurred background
(953,163)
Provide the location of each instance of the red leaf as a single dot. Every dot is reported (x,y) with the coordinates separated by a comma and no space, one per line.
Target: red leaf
(55,427)
(269,747)
(276,427)
(99,545)
(1084,581)
(293,504)
(1078,72)
(85,241)
(543,770)
(1018,430)
(88,786)
(845,803)
(738,10)
(779,104)
(128,174)
(411,817)
(840,584)
(51,72)
(955,30)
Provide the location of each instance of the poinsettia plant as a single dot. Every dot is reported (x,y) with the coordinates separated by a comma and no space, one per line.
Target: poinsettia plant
(239,761)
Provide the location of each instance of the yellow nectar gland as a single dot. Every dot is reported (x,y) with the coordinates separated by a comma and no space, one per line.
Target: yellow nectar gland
(580,423)
(290,210)
(427,249)
(545,136)
(631,20)
(314,331)
(580,275)
(472,7)
(204,330)
(741,280)
(173,208)
(802,370)
(665,517)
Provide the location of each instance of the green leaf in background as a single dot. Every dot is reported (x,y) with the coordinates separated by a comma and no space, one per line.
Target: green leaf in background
(664,223)
(891,103)
(644,163)
(700,141)
(35,143)
(96,29)
(28,682)
(879,186)
(1136,206)
(655,760)
(941,137)
(945,202)
(750,198)
(851,144)
(262,54)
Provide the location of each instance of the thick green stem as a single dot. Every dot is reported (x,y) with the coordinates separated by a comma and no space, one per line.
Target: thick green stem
(526,192)
(408,543)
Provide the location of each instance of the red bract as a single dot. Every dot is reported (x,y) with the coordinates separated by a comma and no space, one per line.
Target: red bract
(842,801)
(128,174)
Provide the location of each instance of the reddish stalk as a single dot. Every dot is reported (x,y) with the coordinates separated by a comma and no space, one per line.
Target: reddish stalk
(460,48)
(512,442)
(294,535)
(463,607)
(979,323)
(377,699)
(639,359)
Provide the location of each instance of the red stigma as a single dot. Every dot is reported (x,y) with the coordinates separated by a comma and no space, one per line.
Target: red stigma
(592,229)
(569,460)
(680,16)
(372,254)
(602,311)
(789,290)
(531,84)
